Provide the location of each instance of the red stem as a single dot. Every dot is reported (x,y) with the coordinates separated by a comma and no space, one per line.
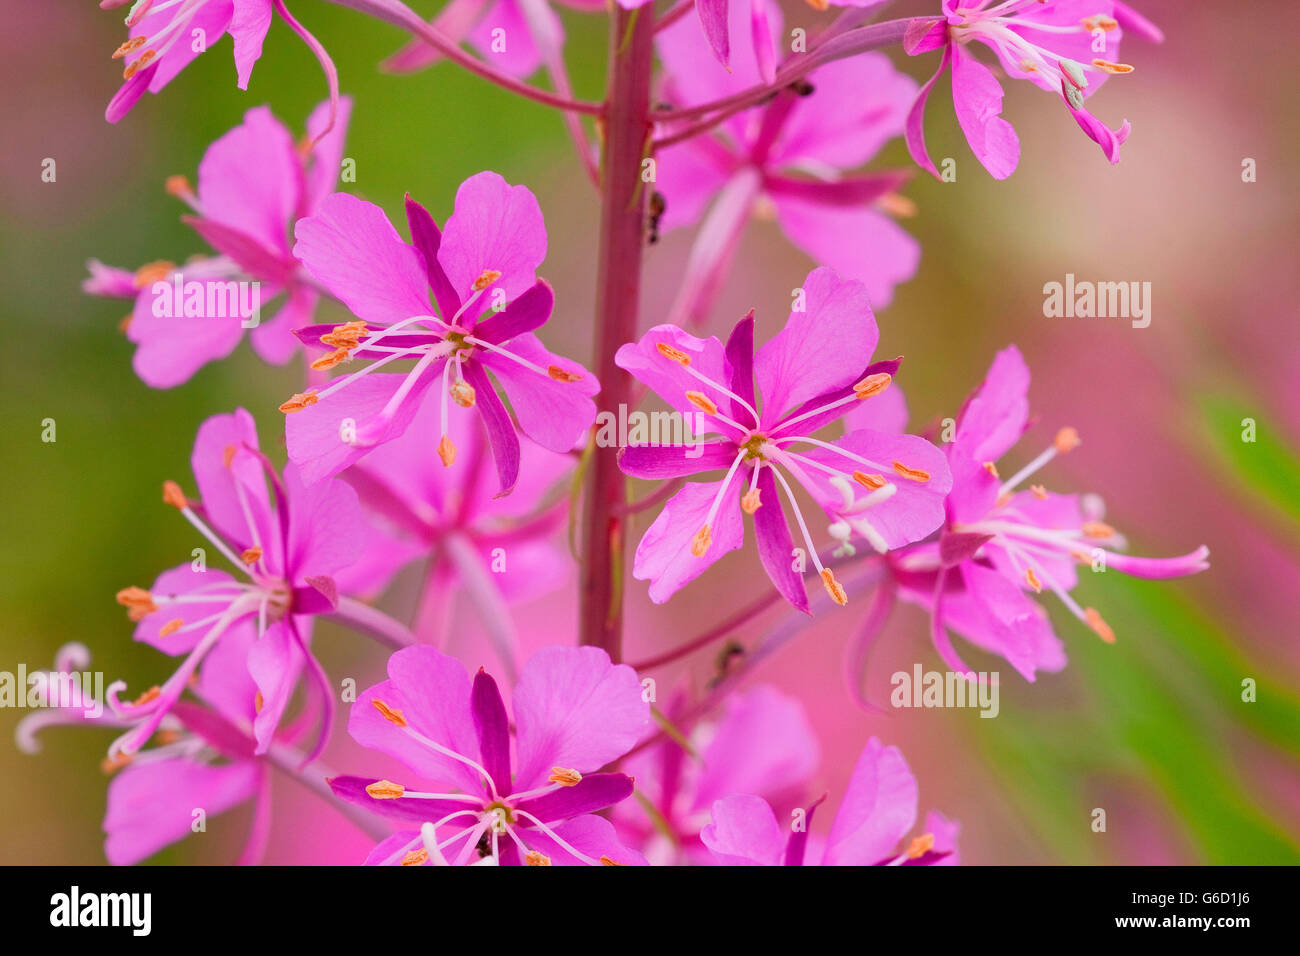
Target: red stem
(622,237)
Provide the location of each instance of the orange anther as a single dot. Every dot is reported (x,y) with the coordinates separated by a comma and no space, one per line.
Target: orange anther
(676,355)
(1099,625)
(485,279)
(172,495)
(834,588)
(1106,66)
(563,375)
(1067,439)
(920,846)
(1098,529)
(565,777)
(872,385)
(873,482)
(152,272)
(911,474)
(390,714)
(702,402)
(138,64)
(130,46)
(385,790)
(330,359)
(298,402)
(446,451)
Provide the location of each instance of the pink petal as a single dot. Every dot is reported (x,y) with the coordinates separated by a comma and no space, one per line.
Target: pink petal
(744,832)
(502,437)
(657,462)
(351,248)
(179,581)
(878,810)
(996,615)
(275,662)
(108,281)
(326,528)
(574,709)
(664,555)
(763,745)
(495,226)
(129,94)
(688,176)
(977,98)
(869,100)
(151,805)
(590,835)
(886,412)
(224,681)
(248,252)
(314,434)
(171,348)
(713,18)
(995,417)
(432,692)
(775,545)
(915,128)
(823,347)
(248,26)
(858,243)
(520,58)
(917,508)
(217,469)
(667,378)
(552,413)
(273,340)
(945,834)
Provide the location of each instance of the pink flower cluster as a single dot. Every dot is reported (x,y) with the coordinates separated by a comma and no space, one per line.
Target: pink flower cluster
(435,429)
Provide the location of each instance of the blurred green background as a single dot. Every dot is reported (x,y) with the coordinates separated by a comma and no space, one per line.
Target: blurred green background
(1152,728)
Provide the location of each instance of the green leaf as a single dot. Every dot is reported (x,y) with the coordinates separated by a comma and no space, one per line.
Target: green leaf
(1266,466)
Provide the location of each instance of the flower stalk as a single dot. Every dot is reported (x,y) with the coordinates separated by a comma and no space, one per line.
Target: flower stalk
(623,197)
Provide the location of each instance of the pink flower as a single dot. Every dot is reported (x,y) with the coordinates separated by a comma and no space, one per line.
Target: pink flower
(1066,47)
(489,299)
(253,184)
(787,158)
(763,744)
(878,811)
(204,757)
(811,374)
(166,35)
(293,547)
(1001,543)
(573,712)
